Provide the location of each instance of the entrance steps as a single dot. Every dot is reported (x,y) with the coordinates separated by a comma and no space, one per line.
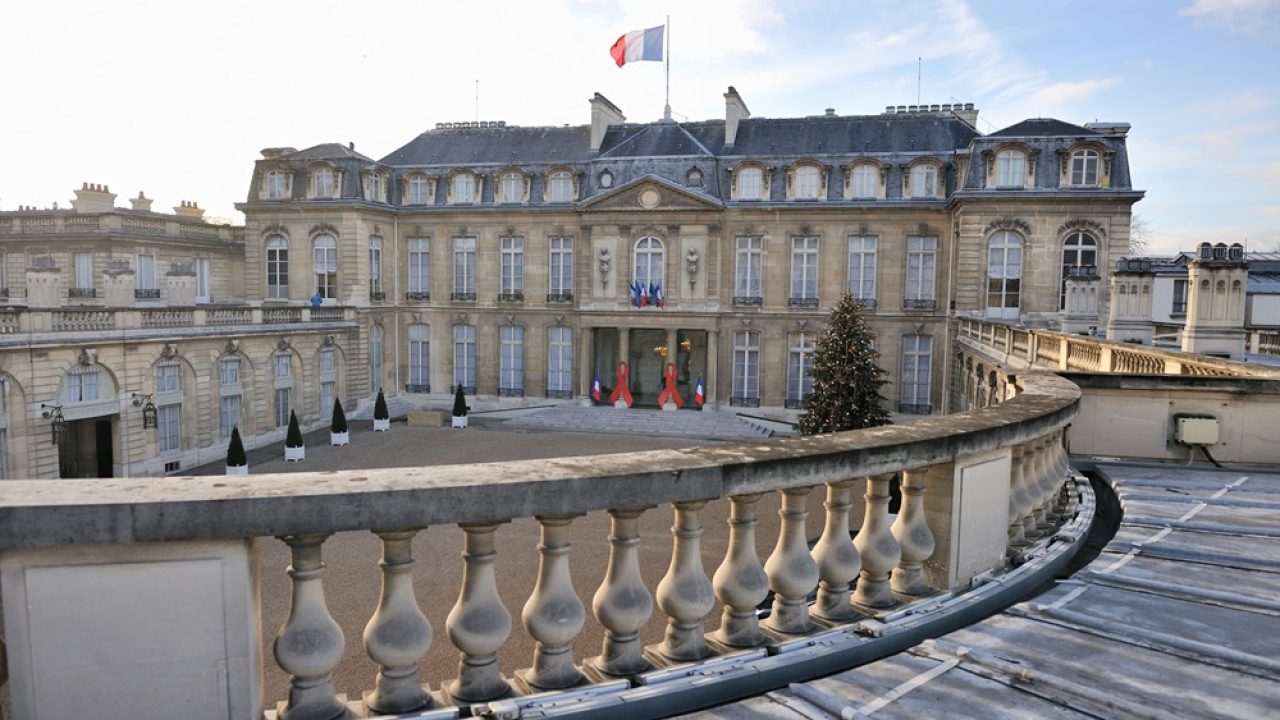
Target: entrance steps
(705,424)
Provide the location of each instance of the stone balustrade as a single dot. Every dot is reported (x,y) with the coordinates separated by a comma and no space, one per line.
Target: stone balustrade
(68,222)
(895,570)
(1016,347)
(1264,343)
(17,321)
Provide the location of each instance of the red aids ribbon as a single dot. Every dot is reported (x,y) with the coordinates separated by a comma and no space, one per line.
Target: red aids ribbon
(621,389)
(670,392)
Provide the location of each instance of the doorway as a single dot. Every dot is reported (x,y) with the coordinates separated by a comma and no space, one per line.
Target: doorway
(86,449)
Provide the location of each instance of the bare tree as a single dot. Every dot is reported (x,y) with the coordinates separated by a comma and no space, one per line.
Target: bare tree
(1139,234)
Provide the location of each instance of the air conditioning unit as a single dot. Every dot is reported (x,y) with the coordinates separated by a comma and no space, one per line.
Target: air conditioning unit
(1196,431)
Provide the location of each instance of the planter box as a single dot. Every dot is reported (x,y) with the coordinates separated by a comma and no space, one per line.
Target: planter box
(293,454)
(342,438)
(381,425)
(237,469)
(427,418)
(459,421)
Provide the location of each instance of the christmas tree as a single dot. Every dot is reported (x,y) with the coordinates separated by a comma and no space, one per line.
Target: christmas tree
(380,408)
(339,422)
(846,376)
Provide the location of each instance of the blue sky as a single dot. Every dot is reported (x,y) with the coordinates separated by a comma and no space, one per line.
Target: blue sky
(177,98)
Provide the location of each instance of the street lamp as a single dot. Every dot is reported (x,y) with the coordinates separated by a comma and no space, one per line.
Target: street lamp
(148,409)
(58,426)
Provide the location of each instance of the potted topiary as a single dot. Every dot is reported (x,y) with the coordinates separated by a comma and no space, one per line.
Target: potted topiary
(338,434)
(237,461)
(294,448)
(460,408)
(381,417)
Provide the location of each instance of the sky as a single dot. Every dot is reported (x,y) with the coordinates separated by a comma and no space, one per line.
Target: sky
(177,98)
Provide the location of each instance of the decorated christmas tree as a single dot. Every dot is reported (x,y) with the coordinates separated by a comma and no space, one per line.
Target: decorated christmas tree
(846,376)
(380,411)
(339,422)
(235,450)
(293,438)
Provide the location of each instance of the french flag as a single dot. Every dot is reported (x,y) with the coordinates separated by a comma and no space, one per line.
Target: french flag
(655,290)
(635,294)
(699,392)
(595,388)
(644,295)
(639,45)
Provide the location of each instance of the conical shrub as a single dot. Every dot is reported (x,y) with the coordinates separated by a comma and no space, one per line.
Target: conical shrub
(236,456)
(380,411)
(339,422)
(294,437)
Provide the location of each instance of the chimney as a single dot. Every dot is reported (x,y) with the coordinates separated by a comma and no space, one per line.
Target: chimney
(735,111)
(92,197)
(966,112)
(603,114)
(189,209)
(142,202)
(1115,129)
(275,152)
(1216,285)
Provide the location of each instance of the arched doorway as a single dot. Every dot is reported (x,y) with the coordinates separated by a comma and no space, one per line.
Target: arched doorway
(90,409)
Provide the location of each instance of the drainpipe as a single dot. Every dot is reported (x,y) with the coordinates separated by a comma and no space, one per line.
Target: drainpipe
(950,316)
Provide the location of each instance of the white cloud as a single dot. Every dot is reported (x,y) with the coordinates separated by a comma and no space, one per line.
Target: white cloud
(1063,93)
(1247,17)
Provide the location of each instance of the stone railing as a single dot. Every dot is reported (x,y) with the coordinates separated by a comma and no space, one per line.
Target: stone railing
(326,314)
(1264,343)
(1022,347)
(82,320)
(228,316)
(22,320)
(72,222)
(273,316)
(894,578)
(167,318)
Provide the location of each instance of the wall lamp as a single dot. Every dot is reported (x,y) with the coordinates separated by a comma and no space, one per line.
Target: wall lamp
(58,426)
(143,400)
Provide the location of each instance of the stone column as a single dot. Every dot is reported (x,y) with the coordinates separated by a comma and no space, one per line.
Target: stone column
(877,547)
(479,623)
(913,535)
(684,593)
(740,583)
(622,604)
(398,634)
(310,643)
(838,561)
(713,368)
(585,343)
(792,572)
(553,615)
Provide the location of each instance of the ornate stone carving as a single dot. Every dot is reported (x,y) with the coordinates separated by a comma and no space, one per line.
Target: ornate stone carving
(691,259)
(1007,223)
(168,351)
(1082,224)
(604,259)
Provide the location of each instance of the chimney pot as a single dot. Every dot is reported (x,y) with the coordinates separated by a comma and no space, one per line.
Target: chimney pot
(831,111)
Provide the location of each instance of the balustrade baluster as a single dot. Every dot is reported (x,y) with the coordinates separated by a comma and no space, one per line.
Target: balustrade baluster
(398,634)
(553,614)
(913,535)
(1019,499)
(740,583)
(622,603)
(1031,488)
(877,547)
(684,593)
(479,623)
(792,572)
(1042,473)
(838,561)
(310,642)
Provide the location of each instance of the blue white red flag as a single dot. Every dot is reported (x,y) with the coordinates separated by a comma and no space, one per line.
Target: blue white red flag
(699,392)
(644,295)
(639,45)
(595,388)
(635,294)
(655,291)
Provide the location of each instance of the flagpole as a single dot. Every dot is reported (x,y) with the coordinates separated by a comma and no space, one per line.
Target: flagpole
(666,110)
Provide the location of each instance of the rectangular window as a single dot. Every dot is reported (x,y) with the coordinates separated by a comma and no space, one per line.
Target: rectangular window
(512,188)
(921,263)
(924,181)
(82,385)
(511,361)
(275,185)
(375,267)
(168,427)
(84,272)
(560,362)
(464,357)
(203,294)
(419,269)
(804,270)
(326,400)
(230,409)
(750,184)
(512,285)
(561,287)
(917,356)
(799,367)
(229,371)
(419,358)
(866,181)
(1009,169)
(750,260)
(806,179)
(561,188)
(166,377)
(280,366)
(862,268)
(326,361)
(746,369)
(464,188)
(1179,297)
(464,268)
(283,396)
(418,190)
(146,272)
(277,270)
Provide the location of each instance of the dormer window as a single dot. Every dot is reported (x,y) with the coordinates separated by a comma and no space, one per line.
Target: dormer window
(511,188)
(694,178)
(923,181)
(374,187)
(1010,169)
(1084,168)
(750,183)
(419,192)
(606,179)
(277,185)
(805,183)
(560,187)
(865,181)
(323,183)
(463,189)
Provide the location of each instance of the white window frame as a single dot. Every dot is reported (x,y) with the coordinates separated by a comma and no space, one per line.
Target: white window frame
(804,267)
(560,361)
(419,268)
(463,189)
(84,270)
(277,267)
(324,183)
(419,190)
(167,377)
(511,281)
(1011,169)
(277,185)
(464,357)
(649,262)
(229,371)
(865,183)
(862,267)
(169,427)
(1075,252)
(750,183)
(203,279)
(511,188)
(917,369)
(1084,162)
(324,258)
(561,270)
(922,262)
(800,350)
(83,385)
(375,264)
(560,187)
(924,181)
(146,271)
(373,187)
(746,368)
(282,366)
(420,357)
(748,276)
(328,391)
(464,267)
(1004,275)
(511,360)
(808,183)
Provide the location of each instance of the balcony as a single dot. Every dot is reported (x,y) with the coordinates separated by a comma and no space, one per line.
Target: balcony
(743,401)
(802,302)
(462,297)
(417,296)
(136,322)
(748,301)
(147,294)
(417,388)
(81,293)
(560,297)
(914,409)
(510,392)
(511,297)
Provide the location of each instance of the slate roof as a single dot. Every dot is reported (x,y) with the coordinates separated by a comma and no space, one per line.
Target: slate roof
(328,151)
(661,139)
(502,145)
(853,134)
(1042,127)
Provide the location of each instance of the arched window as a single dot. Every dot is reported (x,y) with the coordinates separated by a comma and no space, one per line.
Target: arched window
(865,181)
(560,186)
(1079,250)
(1004,275)
(277,268)
(1010,169)
(322,183)
(418,190)
(511,189)
(464,188)
(750,183)
(1084,168)
(649,263)
(276,186)
(326,266)
(807,179)
(924,180)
